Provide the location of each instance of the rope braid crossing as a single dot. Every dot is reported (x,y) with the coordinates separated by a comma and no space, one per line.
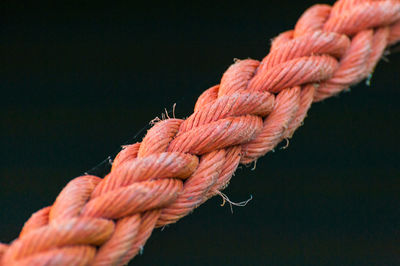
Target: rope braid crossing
(181,163)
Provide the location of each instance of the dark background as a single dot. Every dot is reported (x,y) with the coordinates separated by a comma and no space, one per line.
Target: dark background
(79,80)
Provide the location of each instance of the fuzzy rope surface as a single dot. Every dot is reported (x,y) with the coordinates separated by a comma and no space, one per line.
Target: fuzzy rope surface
(181,163)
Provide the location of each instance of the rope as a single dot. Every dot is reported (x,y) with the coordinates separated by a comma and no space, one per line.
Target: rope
(181,163)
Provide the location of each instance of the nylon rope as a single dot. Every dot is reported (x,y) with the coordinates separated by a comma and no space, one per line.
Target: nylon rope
(181,163)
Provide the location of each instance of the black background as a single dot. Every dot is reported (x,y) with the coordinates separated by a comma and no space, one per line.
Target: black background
(79,80)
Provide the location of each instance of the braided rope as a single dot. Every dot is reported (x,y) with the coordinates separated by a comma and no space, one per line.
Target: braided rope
(181,163)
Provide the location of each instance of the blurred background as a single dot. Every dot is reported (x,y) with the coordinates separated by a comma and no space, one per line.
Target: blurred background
(79,80)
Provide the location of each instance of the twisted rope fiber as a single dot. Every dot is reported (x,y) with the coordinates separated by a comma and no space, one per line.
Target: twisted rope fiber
(181,163)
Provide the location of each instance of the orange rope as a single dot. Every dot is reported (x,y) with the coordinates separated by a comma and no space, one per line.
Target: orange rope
(181,163)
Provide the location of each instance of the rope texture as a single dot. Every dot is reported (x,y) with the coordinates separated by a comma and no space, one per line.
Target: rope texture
(181,163)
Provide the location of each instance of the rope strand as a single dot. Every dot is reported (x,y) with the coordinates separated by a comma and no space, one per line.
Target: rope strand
(181,163)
